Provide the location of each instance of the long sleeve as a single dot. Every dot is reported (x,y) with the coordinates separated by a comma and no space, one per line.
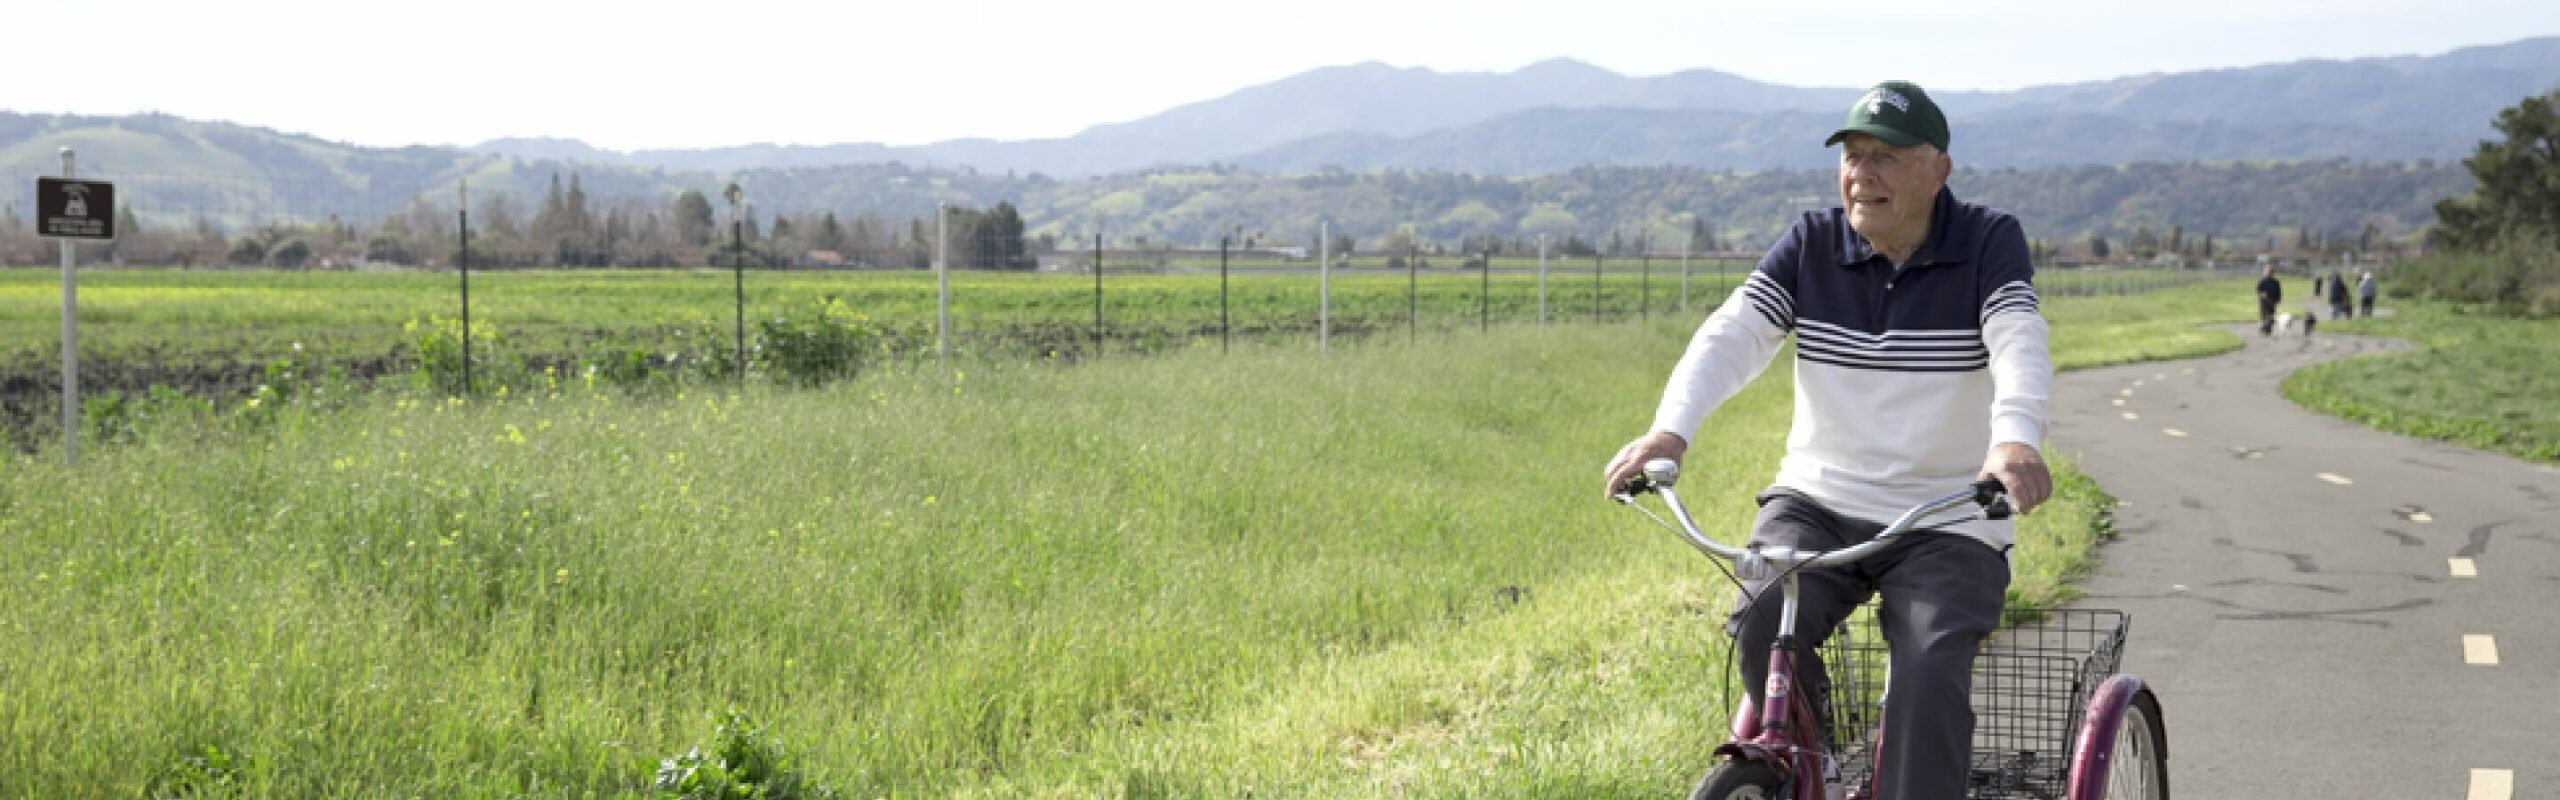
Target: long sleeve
(1735,343)
(2014,331)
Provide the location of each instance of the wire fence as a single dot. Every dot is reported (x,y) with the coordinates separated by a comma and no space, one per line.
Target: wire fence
(211,292)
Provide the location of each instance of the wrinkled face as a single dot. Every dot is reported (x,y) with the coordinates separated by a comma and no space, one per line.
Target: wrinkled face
(1888,191)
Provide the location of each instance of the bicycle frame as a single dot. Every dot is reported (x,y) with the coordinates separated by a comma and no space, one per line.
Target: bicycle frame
(1783,735)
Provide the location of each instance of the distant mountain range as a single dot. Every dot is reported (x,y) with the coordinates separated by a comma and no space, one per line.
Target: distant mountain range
(1560,114)
(2324,146)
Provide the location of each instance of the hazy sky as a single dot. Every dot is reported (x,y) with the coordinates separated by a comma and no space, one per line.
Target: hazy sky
(636,74)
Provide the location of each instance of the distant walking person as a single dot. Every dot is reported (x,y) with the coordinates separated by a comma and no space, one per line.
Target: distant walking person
(2270,292)
(2338,305)
(2364,291)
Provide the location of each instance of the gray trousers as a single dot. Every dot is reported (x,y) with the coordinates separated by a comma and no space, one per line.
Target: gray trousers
(1942,597)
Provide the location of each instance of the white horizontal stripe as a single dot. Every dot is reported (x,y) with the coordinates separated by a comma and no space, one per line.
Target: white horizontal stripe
(1933,364)
(1828,348)
(1830,336)
(1912,335)
(1947,348)
(1863,359)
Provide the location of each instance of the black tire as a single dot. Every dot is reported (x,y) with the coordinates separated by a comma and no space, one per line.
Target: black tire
(2142,752)
(1741,780)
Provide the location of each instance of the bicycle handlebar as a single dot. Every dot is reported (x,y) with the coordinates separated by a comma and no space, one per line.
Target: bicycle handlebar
(1661,473)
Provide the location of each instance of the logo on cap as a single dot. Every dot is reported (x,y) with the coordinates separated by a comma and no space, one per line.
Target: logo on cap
(1876,100)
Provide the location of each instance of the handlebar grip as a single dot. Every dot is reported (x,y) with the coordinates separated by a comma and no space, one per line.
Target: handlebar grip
(1636,485)
(1994,499)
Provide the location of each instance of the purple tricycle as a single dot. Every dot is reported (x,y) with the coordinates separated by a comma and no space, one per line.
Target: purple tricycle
(2054,720)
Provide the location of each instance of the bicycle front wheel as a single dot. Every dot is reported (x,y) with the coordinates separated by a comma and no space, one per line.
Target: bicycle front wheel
(1741,780)
(2122,752)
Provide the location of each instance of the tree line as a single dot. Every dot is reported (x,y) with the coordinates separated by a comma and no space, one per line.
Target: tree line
(881,215)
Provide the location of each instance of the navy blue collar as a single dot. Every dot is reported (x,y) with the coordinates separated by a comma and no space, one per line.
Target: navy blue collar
(1948,242)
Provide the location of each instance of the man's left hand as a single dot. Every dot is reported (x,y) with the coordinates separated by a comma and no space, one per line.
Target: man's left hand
(2020,468)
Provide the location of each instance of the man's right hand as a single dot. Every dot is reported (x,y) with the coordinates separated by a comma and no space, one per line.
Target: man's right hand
(1630,460)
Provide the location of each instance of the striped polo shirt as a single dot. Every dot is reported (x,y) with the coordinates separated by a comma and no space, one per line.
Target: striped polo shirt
(1905,375)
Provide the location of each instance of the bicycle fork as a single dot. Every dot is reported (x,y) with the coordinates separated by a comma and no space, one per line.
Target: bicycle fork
(1785,732)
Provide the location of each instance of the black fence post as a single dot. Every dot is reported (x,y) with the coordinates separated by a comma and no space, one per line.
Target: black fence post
(1225,323)
(1644,297)
(1596,290)
(1412,293)
(1484,295)
(738,269)
(1097,295)
(466,295)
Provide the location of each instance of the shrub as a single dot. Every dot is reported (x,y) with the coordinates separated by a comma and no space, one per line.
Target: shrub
(2520,274)
(440,359)
(832,343)
(744,763)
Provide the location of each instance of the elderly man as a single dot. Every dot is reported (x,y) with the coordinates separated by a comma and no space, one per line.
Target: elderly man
(1920,366)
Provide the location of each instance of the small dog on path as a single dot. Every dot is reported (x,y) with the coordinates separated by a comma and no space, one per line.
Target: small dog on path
(2286,322)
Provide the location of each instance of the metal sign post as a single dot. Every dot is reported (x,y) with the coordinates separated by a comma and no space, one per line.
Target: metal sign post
(69,210)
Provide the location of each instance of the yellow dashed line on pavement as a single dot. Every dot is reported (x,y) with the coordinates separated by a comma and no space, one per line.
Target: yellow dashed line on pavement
(2335,478)
(2127,393)
(2493,784)
(2421,516)
(2463,568)
(2118,401)
(2131,415)
(2174,432)
(2479,649)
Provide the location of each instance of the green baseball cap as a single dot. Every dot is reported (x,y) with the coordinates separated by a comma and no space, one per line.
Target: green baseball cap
(1897,112)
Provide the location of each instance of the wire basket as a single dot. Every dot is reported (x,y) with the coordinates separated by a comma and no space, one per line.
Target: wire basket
(2031,685)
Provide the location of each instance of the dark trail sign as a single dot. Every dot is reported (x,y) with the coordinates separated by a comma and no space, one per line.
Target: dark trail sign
(75,209)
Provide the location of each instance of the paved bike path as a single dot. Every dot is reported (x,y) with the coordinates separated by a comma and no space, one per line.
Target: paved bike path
(2291,578)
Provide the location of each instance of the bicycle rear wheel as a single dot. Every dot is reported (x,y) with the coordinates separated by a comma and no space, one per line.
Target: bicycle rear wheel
(1741,780)
(2122,751)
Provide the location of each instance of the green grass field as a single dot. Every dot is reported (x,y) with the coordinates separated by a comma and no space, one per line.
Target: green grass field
(1383,572)
(251,317)
(2476,380)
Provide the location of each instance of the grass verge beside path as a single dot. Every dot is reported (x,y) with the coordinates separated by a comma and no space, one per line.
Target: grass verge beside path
(1380,573)
(2479,381)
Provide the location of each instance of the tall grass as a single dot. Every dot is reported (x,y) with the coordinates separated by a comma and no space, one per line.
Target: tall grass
(1384,572)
